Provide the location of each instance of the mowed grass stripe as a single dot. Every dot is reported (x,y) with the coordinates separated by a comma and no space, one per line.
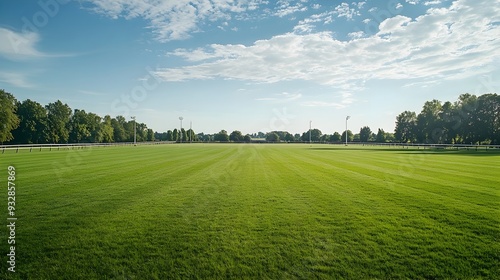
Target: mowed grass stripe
(252,211)
(423,204)
(423,178)
(96,195)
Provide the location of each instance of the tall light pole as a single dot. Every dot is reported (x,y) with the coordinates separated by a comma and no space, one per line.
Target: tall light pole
(346,119)
(310,128)
(180,132)
(135,130)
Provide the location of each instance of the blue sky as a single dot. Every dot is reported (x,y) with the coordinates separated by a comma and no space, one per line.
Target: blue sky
(250,65)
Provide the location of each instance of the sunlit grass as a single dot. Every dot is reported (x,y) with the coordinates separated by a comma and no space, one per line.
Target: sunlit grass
(255,211)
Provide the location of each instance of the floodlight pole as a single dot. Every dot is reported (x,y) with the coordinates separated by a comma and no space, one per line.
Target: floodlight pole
(180,132)
(310,128)
(135,130)
(346,119)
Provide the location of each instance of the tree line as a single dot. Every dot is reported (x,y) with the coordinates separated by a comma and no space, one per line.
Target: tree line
(29,122)
(470,119)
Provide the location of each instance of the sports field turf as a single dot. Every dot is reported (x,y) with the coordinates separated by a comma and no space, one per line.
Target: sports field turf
(253,211)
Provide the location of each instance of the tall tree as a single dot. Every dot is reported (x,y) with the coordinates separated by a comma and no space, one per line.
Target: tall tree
(58,122)
(95,128)
(380,138)
(170,136)
(192,137)
(406,124)
(247,138)
(429,128)
(315,135)
(8,118)
(466,107)
(175,135)
(272,137)
(365,133)
(487,118)
(79,127)
(106,130)
(289,137)
(448,122)
(119,134)
(184,135)
(222,136)
(336,137)
(236,136)
(32,123)
(150,135)
(350,136)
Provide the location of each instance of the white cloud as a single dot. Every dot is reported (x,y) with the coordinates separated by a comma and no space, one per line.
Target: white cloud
(174,20)
(14,45)
(15,79)
(441,44)
(429,3)
(344,10)
(307,25)
(285,8)
(393,24)
(413,2)
(356,35)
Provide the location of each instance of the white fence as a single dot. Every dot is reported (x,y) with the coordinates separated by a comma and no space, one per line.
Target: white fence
(57,147)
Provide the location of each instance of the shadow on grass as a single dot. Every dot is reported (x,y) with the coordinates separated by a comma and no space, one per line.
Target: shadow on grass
(412,150)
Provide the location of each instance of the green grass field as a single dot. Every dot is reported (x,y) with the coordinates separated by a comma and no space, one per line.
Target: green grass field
(282,211)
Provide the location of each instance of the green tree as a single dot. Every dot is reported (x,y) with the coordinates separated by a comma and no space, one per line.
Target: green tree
(315,135)
(150,135)
(389,137)
(465,109)
(364,134)
(429,128)
(93,122)
(106,130)
(380,138)
(289,137)
(356,138)
(58,118)
(141,131)
(236,136)
(272,137)
(191,135)
(32,123)
(80,131)
(175,135)
(448,121)
(222,136)
(350,136)
(170,136)
(8,118)
(336,137)
(247,138)
(406,124)
(119,133)
(487,119)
